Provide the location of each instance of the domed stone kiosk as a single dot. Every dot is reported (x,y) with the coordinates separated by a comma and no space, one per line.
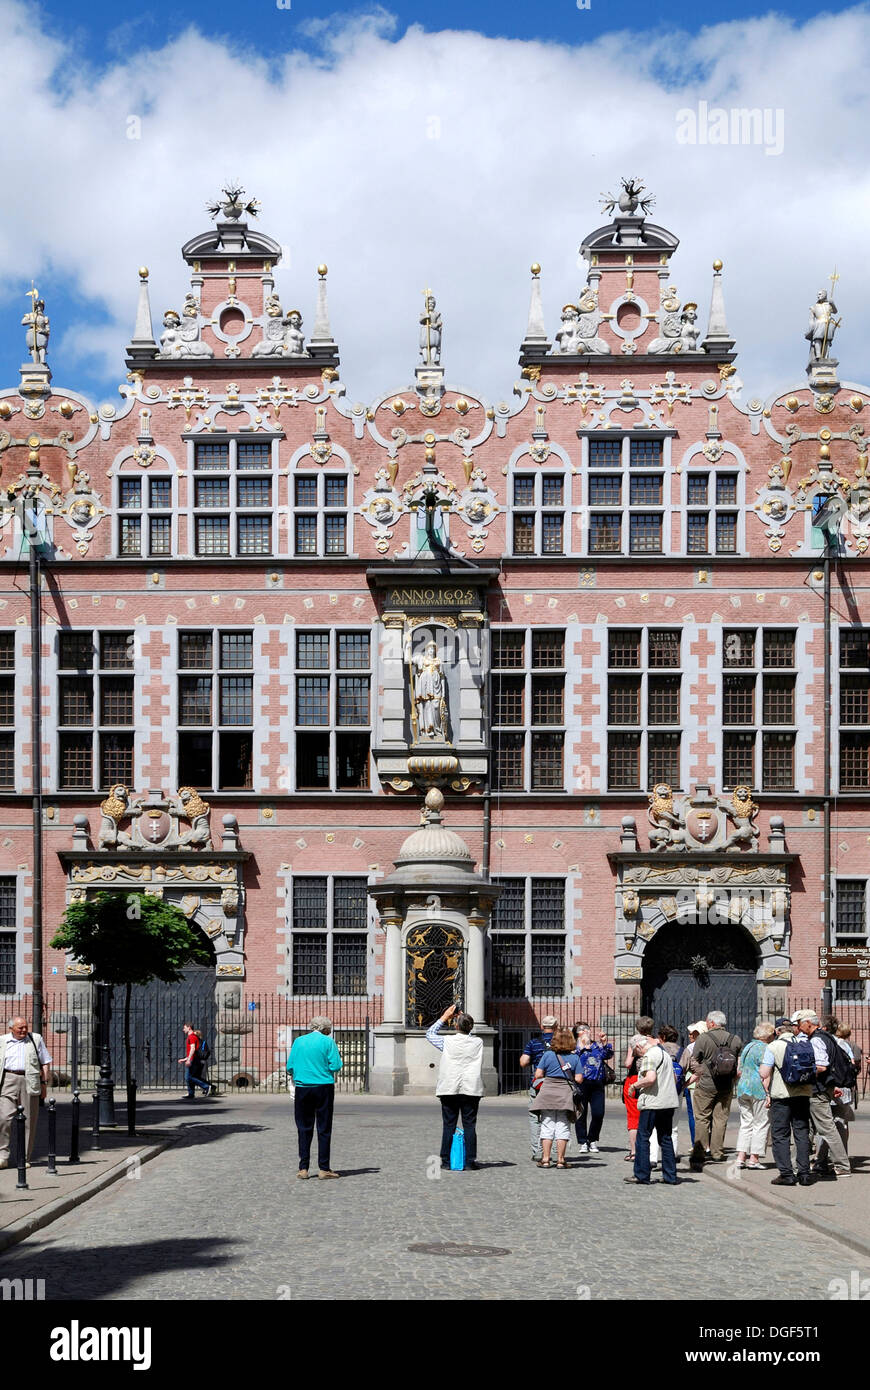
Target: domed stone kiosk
(435,910)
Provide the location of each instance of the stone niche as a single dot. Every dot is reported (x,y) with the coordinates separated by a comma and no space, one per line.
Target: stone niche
(435,911)
(422,739)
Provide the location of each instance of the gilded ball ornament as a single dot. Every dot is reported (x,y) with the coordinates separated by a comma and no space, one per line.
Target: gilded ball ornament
(143,272)
(792,403)
(322,270)
(536,269)
(824,451)
(717,265)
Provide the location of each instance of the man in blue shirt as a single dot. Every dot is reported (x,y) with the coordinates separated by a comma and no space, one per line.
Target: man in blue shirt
(312,1065)
(532,1054)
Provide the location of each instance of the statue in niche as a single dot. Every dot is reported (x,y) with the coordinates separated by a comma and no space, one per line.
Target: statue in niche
(568,338)
(430,333)
(182,340)
(428,693)
(668,825)
(822,327)
(38,328)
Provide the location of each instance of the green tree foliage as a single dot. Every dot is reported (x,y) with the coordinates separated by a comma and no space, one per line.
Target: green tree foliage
(131,938)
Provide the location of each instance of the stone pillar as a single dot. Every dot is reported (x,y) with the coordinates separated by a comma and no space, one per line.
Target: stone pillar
(475,997)
(394,983)
(389,1074)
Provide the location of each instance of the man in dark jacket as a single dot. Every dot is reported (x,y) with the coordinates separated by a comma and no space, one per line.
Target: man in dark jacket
(716,1072)
(532,1054)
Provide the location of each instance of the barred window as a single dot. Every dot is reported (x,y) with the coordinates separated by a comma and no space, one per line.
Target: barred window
(216,709)
(7,651)
(664,700)
(95,710)
(7,711)
(646,702)
(623,761)
(234,494)
(854,709)
(738,703)
(850,928)
(778,700)
(663,752)
(320,521)
(778,760)
(527,939)
(329,936)
(739,759)
(664,647)
(140,531)
(333,702)
(538,522)
(624,700)
(8,937)
(624,647)
(778,647)
(528,751)
(739,647)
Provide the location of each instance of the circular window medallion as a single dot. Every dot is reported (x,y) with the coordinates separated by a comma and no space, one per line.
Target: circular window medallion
(232,322)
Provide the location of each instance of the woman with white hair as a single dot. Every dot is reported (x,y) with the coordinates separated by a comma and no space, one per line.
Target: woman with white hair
(313,1065)
(695,1031)
(752,1099)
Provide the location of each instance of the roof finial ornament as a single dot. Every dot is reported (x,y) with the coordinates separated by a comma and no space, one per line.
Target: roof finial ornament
(823,324)
(430,331)
(629,200)
(233,206)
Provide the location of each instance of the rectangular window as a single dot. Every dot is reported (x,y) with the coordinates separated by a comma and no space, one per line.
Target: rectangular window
(527,939)
(697,487)
(643,702)
(645,453)
(333,702)
(664,700)
(854,709)
(605,533)
(96,710)
(606,491)
(212,535)
(645,533)
(7,711)
(624,648)
(778,700)
(854,762)
(8,938)
(738,704)
(623,761)
(524,533)
(739,759)
(739,647)
(664,759)
(646,490)
(726,533)
(320,524)
(524,490)
(216,710)
(624,700)
(255,535)
(605,453)
(329,936)
(527,710)
(850,928)
(778,762)
(855,647)
(726,489)
(696,533)
(778,647)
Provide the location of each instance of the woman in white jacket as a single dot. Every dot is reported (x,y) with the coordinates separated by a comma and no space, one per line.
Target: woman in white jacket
(460,1081)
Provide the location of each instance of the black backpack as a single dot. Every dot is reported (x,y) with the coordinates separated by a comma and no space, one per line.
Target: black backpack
(723,1063)
(841,1072)
(203,1052)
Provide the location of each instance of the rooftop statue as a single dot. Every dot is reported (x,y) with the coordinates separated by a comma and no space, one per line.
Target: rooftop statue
(38,327)
(430,333)
(629,200)
(181,339)
(233,206)
(822,326)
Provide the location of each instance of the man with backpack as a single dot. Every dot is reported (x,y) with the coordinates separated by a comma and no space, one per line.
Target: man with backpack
(714,1062)
(195,1056)
(787,1074)
(833,1073)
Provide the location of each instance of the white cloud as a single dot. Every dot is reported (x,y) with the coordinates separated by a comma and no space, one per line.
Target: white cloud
(338,146)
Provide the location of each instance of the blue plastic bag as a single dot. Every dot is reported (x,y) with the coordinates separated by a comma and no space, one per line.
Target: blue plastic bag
(457,1151)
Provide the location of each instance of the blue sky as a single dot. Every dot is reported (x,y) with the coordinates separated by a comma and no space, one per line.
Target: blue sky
(327,116)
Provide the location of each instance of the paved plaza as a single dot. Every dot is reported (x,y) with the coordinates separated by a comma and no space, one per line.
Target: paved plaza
(220,1215)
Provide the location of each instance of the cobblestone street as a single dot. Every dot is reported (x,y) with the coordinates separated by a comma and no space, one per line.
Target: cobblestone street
(221,1215)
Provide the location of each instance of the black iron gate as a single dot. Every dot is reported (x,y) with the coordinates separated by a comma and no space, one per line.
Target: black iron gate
(434,973)
(157,1014)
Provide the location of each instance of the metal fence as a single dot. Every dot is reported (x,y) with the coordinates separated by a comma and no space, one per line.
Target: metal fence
(516,1021)
(249,1045)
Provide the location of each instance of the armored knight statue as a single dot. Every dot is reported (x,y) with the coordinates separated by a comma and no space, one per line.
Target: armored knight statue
(38,328)
(430,333)
(822,327)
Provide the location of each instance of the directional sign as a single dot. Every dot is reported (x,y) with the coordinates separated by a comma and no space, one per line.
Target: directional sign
(844,972)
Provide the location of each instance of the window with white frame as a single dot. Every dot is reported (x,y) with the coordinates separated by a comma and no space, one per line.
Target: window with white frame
(215,709)
(8,937)
(329,932)
(333,709)
(233,496)
(625,481)
(528,709)
(711,515)
(7,711)
(538,517)
(145,516)
(644,686)
(96,715)
(320,513)
(759,708)
(527,939)
(850,931)
(855,709)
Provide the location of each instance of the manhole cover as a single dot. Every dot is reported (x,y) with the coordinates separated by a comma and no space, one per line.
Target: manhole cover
(448,1248)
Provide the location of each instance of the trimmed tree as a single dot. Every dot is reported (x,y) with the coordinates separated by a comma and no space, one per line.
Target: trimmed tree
(131,939)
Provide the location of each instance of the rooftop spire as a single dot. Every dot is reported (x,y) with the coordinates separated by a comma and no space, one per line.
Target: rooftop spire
(322,345)
(535,344)
(718,338)
(143,344)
